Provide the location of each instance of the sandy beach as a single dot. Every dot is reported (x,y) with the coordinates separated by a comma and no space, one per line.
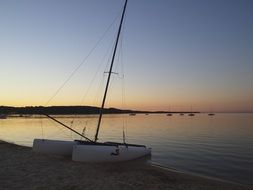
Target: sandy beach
(23,169)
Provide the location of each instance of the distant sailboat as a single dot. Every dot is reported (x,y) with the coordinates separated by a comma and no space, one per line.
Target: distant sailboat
(91,150)
(169,113)
(211,113)
(191,113)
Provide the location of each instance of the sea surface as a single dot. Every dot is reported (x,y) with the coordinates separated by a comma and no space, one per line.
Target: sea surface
(219,146)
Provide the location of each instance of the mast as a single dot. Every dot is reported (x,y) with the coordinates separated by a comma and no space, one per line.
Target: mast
(110,72)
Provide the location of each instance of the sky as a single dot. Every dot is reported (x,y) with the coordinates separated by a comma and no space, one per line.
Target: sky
(175,55)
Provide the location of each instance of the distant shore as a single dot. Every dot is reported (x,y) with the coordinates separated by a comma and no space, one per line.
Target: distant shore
(23,169)
(68,110)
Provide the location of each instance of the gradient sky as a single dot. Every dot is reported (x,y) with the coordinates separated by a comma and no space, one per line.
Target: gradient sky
(176,54)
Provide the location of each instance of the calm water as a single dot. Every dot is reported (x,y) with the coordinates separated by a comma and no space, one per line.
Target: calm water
(220,146)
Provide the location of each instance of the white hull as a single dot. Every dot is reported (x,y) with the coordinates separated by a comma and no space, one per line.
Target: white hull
(104,153)
(56,147)
(83,151)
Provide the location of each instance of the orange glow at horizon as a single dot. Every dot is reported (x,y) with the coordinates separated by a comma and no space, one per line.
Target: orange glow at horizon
(151,103)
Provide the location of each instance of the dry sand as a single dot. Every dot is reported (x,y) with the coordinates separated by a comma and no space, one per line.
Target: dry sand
(20,168)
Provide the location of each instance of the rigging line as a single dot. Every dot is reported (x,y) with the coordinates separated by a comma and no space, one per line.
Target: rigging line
(68,127)
(123,86)
(113,81)
(117,70)
(53,134)
(97,70)
(119,63)
(107,67)
(102,80)
(83,61)
(99,89)
(94,77)
(58,90)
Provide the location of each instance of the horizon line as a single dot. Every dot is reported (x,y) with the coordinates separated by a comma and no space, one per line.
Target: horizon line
(134,110)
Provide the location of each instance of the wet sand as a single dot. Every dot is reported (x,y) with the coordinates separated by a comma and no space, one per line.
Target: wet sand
(20,168)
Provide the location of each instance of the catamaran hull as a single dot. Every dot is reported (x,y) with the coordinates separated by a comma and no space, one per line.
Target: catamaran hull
(83,151)
(55,147)
(104,153)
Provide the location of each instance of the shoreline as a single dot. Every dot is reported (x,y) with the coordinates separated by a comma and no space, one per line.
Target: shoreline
(75,110)
(23,169)
(201,176)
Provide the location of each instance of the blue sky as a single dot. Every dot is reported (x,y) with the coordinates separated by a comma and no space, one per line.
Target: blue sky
(176,53)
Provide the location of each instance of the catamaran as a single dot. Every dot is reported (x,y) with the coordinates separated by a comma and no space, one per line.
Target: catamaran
(91,150)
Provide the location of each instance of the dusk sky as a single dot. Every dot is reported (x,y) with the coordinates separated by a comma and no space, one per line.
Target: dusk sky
(175,54)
